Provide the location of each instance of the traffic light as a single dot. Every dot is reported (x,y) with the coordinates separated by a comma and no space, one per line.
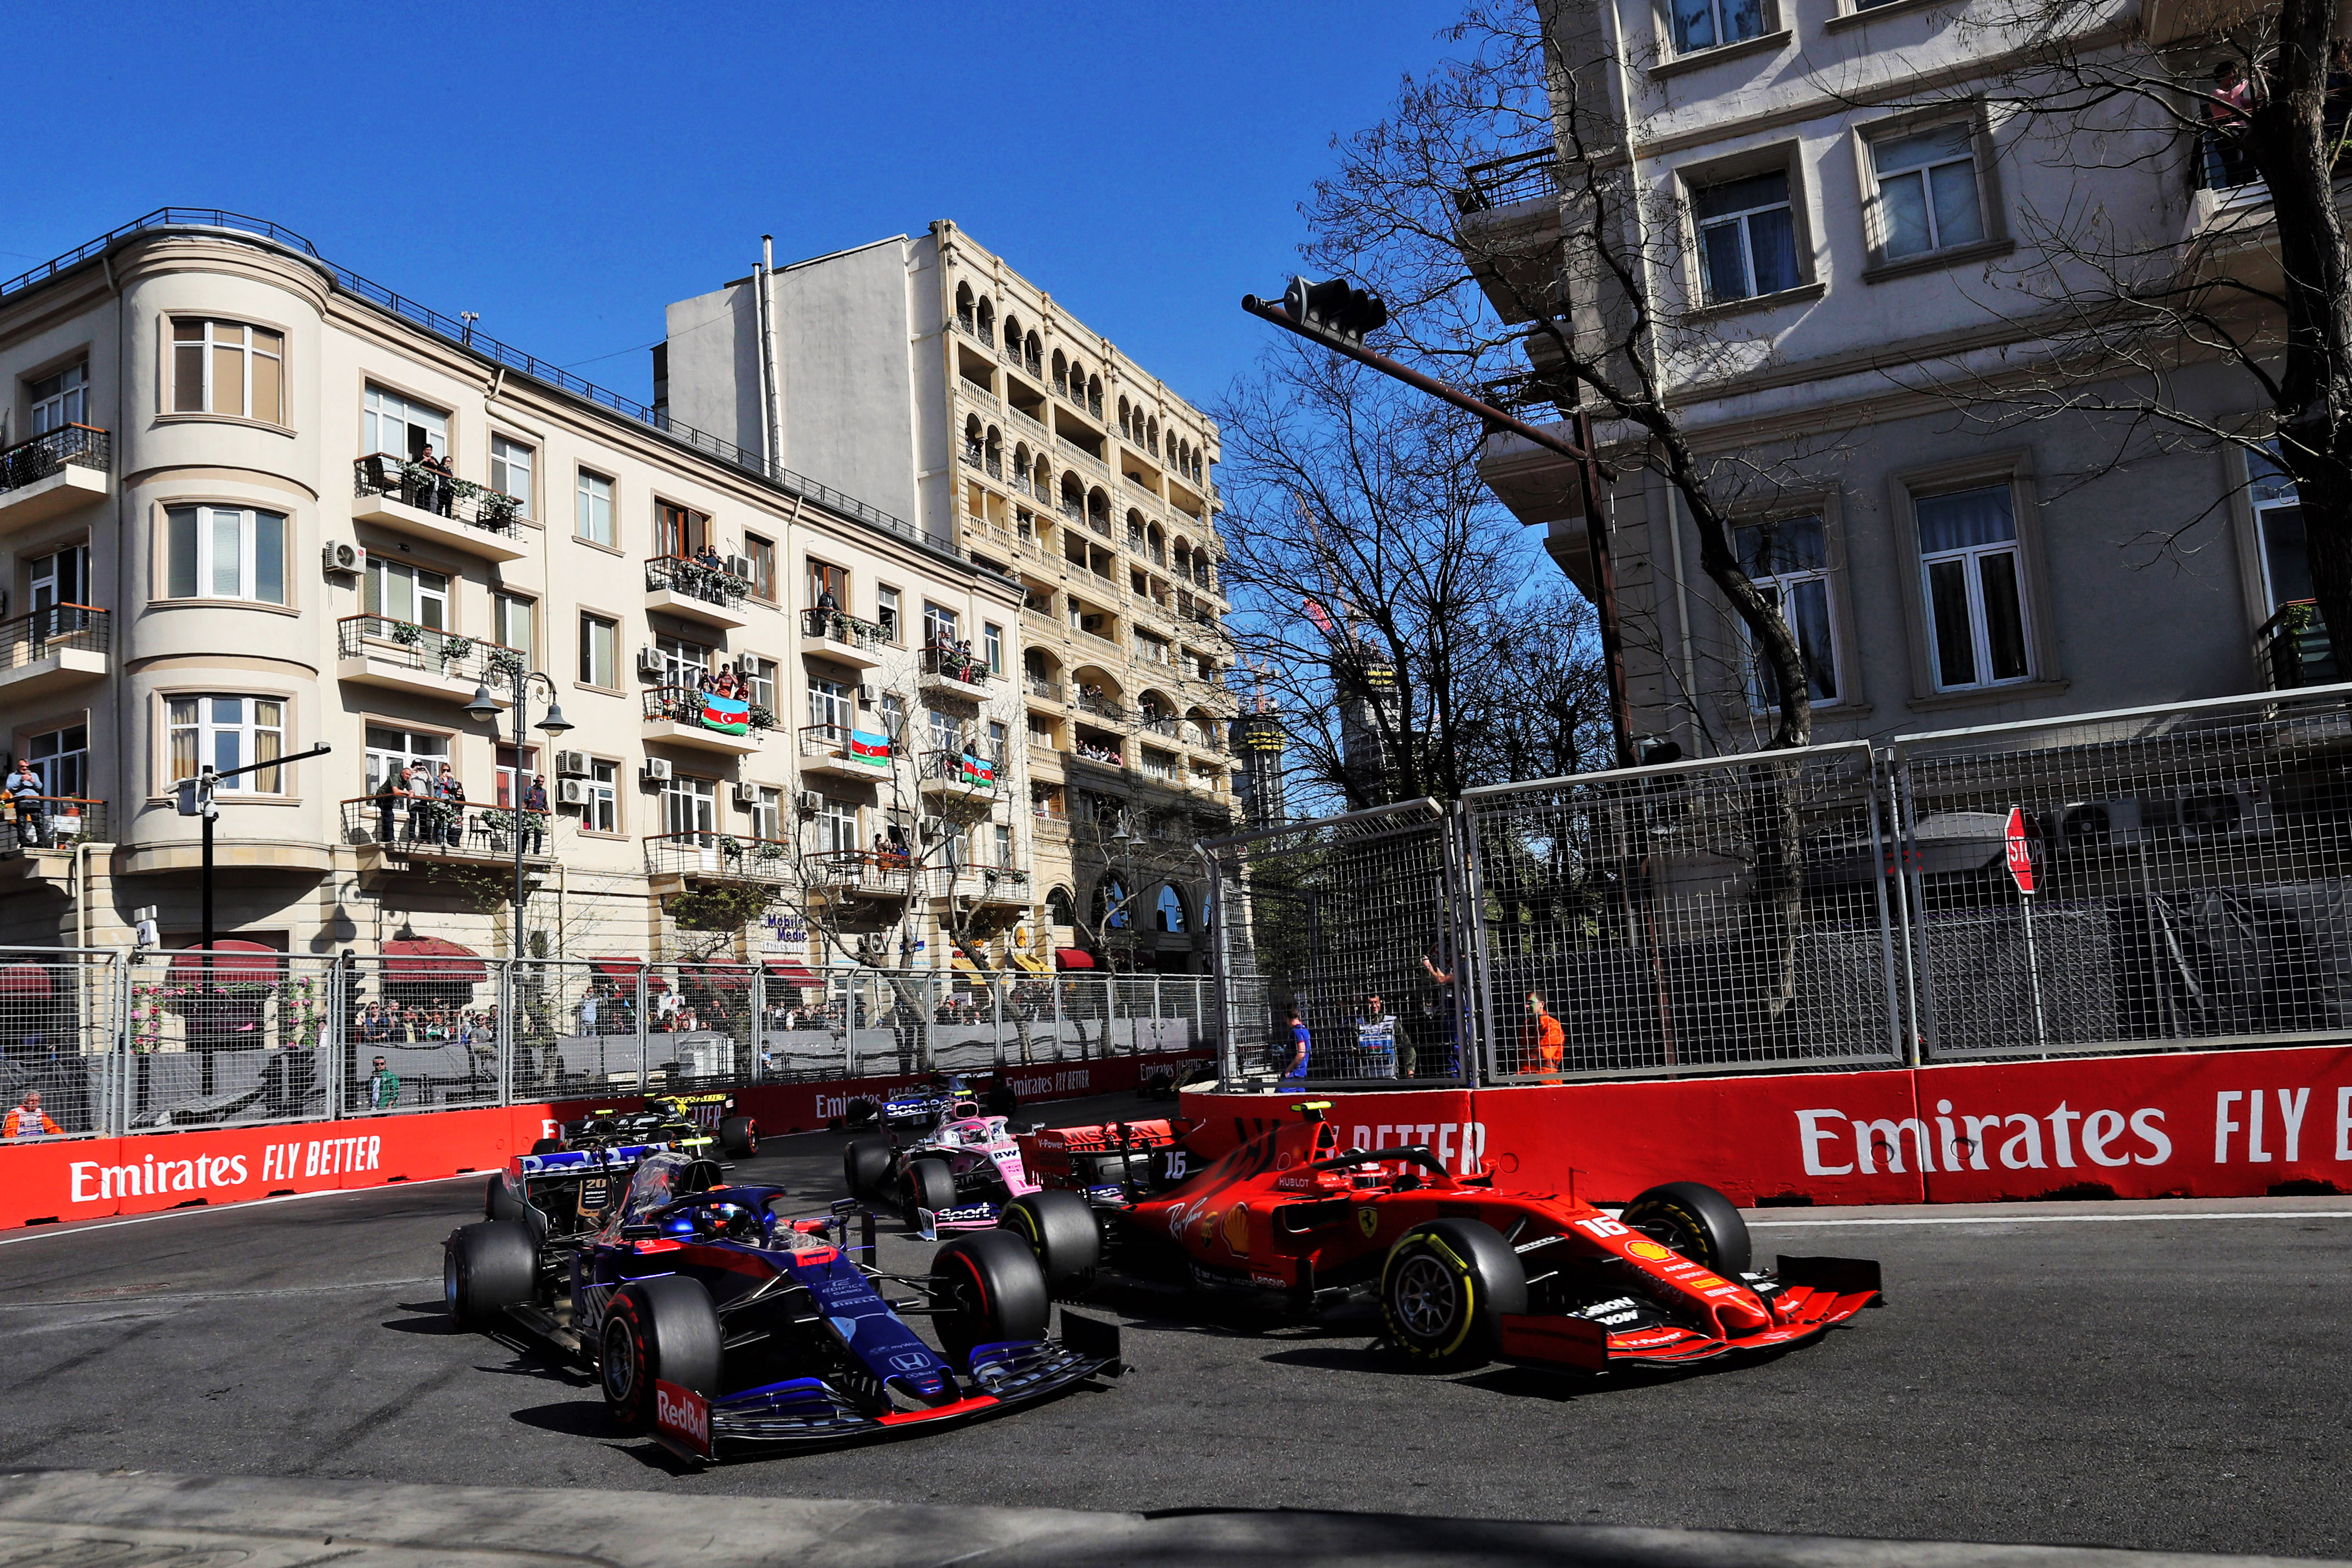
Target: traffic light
(1337,307)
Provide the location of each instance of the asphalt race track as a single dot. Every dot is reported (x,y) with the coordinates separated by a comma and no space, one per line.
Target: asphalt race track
(2172,1376)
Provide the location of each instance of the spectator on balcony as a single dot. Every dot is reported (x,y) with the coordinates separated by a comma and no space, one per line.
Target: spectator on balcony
(2227,107)
(390,790)
(25,794)
(533,826)
(450,795)
(437,485)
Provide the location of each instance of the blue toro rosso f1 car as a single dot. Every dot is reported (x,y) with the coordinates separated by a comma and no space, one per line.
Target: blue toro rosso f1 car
(713,1317)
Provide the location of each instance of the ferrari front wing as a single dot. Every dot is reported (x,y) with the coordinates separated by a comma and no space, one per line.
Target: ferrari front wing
(1815,1294)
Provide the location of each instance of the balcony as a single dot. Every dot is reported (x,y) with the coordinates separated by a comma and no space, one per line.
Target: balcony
(1098,754)
(728,726)
(695,591)
(843,640)
(955,673)
(843,752)
(376,650)
(679,858)
(1040,690)
(414,501)
(53,473)
(1090,639)
(1085,458)
(1049,827)
(1028,423)
(1090,700)
(64,821)
(855,874)
(962,776)
(2294,650)
(1077,397)
(54,649)
(1162,724)
(405,832)
(978,884)
(971,392)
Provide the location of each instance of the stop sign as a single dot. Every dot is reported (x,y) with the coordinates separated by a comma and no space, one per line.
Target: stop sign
(2024,838)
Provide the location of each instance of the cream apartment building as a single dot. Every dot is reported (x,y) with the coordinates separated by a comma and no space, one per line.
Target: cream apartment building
(1842,226)
(220,543)
(927,374)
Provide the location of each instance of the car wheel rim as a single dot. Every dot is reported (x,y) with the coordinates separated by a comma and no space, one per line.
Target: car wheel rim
(1425,1297)
(449,1281)
(620,1364)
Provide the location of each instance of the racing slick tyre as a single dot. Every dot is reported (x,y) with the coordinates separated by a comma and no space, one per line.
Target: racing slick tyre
(1060,1228)
(999,1099)
(498,1203)
(738,1137)
(1696,1221)
(860,1112)
(547,1146)
(866,1167)
(928,1185)
(663,1328)
(487,1267)
(1444,1289)
(990,1281)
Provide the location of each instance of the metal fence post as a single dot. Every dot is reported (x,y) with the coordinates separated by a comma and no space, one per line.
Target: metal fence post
(643,1043)
(1888,857)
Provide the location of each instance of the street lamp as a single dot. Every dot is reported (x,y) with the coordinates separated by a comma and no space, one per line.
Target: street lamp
(484,709)
(1124,838)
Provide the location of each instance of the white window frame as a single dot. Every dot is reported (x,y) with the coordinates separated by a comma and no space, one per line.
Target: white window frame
(592,519)
(836,826)
(1970,558)
(2265,495)
(942,625)
(602,814)
(888,614)
(591,625)
(692,800)
(991,643)
(1925,174)
(380,405)
(376,600)
(1778,587)
(762,675)
(830,705)
(504,607)
(45,585)
(70,404)
(684,662)
(416,748)
(206,523)
(1703,227)
(206,729)
(216,336)
(768,814)
(509,458)
(62,758)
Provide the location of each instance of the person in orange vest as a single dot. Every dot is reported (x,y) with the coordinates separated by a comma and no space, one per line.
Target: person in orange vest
(29,1121)
(1550,1041)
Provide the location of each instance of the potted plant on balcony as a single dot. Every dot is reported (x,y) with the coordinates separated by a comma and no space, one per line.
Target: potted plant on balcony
(506,663)
(455,651)
(408,633)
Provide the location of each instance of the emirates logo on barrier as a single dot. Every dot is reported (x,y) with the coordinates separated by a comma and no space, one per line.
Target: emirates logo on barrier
(682,1419)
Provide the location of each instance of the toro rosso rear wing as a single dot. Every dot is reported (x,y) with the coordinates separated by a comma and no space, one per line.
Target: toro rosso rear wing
(583,1162)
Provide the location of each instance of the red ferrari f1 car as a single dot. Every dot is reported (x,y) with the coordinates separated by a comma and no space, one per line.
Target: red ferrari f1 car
(1462,1273)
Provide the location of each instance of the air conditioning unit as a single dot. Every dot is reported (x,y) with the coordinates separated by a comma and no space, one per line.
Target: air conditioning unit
(657,770)
(571,792)
(746,793)
(342,556)
(867,696)
(810,803)
(2200,814)
(573,763)
(738,566)
(650,663)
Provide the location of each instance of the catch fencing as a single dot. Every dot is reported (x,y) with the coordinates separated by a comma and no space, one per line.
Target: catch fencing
(1842,906)
(120,1043)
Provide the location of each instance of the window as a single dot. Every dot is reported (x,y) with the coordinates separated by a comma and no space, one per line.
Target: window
(599,652)
(1969,562)
(768,814)
(390,748)
(62,578)
(1040,731)
(683,663)
(227,367)
(992,648)
(947,734)
(394,425)
(1928,197)
(1004,845)
(604,811)
(762,675)
(1061,909)
(679,531)
(834,828)
(826,579)
(399,592)
(1704,24)
(894,717)
(60,758)
(886,612)
(228,732)
(595,521)
(514,621)
(762,555)
(62,399)
(689,805)
(509,759)
(510,470)
(1168,912)
(1746,237)
(1788,559)
(2278,525)
(828,705)
(999,738)
(939,625)
(225,553)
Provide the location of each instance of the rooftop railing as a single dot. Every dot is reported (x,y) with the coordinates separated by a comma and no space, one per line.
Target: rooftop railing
(429,490)
(27,462)
(29,639)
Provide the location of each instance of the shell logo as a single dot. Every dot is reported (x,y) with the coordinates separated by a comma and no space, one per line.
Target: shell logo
(1237,1227)
(1649,1251)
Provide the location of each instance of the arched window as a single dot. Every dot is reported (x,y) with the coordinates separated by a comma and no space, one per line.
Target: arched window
(1029,350)
(1123,416)
(1169,910)
(986,314)
(1094,393)
(1061,371)
(1151,436)
(963,303)
(1060,908)
(1111,909)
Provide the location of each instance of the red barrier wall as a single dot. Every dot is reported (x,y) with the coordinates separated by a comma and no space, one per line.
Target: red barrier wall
(88,1178)
(2179,1124)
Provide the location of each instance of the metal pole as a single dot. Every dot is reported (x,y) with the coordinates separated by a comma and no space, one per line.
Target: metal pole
(2033,978)
(514,809)
(205,1007)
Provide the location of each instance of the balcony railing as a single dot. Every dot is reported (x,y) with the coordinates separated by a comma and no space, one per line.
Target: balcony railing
(1026,421)
(409,825)
(685,705)
(839,741)
(1095,751)
(977,393)
(697,580)
(956,664)
(28,639)
(878,874)
(973,772)
(2295,648)
(414,484)
(434,652)
(985,884)
(1113,644)
(26,462)
(1506,182)
(1091,701)
(720,856)
(833,626)
(1086,459)
(54,822)
(976,332)
(1050,828)
(1161,724)
(1037,686)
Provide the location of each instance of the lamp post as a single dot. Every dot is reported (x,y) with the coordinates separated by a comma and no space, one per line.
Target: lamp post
(1124,836)
(484,709)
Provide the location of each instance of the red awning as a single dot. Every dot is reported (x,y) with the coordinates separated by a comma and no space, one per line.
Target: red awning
(24,980)
(724,975)
(1073,958)
(432,960)
(233,962)
(792,974)
(624,970)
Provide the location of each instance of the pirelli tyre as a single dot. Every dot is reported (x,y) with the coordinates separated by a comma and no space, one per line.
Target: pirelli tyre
(660,1329)
(1444,1289)
(999,1099)
(1696,1221)
(487,1268)
(866,1167)
(498,1202)
(1061,1231)
(992,1288)
(738,1137)
(927,1185)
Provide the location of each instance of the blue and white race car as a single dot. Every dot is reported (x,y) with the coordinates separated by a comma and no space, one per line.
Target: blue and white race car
(712,1316)
(922,1107)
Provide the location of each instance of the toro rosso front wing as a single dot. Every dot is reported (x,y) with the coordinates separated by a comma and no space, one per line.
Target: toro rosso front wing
(1812,1295)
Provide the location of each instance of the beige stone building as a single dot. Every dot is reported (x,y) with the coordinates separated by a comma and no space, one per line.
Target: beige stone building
(927,376)
(223,539)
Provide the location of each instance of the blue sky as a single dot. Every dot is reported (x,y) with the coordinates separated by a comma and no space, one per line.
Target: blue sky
(568,171)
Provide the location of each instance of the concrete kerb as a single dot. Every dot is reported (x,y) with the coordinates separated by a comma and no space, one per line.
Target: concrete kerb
(128,1519)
